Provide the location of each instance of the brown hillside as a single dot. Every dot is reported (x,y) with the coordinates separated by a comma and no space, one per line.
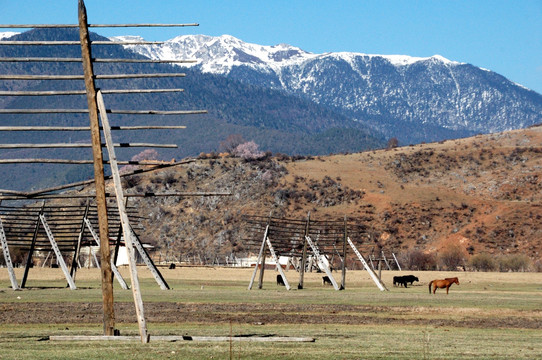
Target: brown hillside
(482,193)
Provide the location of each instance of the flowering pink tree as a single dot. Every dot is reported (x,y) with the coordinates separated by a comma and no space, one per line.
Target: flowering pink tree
(248,151)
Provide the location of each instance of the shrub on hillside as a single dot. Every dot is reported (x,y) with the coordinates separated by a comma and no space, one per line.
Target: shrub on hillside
(418,260)
(483,262)
(452,257)
(513,262)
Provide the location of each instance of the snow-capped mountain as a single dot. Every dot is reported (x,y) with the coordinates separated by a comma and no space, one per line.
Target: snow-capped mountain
(413,98)
(219,55)
(7,34)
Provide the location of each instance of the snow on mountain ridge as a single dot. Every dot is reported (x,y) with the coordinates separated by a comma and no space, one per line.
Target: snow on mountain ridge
(8,34)
(219,54)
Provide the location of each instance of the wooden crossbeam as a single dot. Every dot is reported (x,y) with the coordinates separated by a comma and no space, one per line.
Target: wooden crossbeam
(80,145)
(82,77)
(98,60)
(80,162)
(82,92)
(87,128)
(109,111)
(57,26)
(67,43)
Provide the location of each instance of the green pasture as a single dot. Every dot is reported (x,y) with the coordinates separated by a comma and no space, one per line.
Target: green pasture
(332,342)
(397,324)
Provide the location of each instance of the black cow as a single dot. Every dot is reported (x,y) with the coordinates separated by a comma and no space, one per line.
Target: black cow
(403,280)
(280,281)
(326,280)
(410,279)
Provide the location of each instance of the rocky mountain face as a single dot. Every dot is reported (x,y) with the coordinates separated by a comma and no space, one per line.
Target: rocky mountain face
(477,195)
(414,99)
(276,121)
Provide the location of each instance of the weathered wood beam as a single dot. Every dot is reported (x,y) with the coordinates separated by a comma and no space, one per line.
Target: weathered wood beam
(140,91)
(86,182)
(141,25)
(84,196)
(172,338)
(97,60)
(43,111)
(157,112)
(111,111)
(304,254)
(42,93)
(7,257)
(87,128)
(73,269)
(83,162)
(58,253)
(32,246)
(98,77)
(99,180)
(139,76)
(64,43)
(81,145)
(41,77)
(55,26)
(127,231)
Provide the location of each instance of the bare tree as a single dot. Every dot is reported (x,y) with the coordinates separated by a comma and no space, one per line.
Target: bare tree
(231,142)
(393,143)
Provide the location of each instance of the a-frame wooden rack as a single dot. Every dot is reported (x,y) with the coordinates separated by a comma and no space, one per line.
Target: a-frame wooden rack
(64,230)
(299,238)
(100,127)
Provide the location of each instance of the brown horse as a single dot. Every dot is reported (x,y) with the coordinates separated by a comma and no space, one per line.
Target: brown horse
(441,284)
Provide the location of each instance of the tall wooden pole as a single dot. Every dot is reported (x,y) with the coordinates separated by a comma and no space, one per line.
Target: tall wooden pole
(343,280)
(107,274)
(304,256)
(32,246)
(77,250)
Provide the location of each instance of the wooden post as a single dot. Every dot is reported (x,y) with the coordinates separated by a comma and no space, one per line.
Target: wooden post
(148,261)
(277,264)
(99,180)
(32,246)
(385,260)
(116,272)
(343,279)
(117,246)
(397,262)
(58,254)
(260,254)
(129,236)
(380,269)
(320,262)
(73,269)
(376,280)
(262,268)
(304,256)
(7,258)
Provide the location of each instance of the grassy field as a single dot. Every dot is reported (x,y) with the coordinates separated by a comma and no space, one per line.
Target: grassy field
(488,316)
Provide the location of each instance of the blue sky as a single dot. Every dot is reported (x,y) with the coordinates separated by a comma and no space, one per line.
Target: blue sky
(504,36)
